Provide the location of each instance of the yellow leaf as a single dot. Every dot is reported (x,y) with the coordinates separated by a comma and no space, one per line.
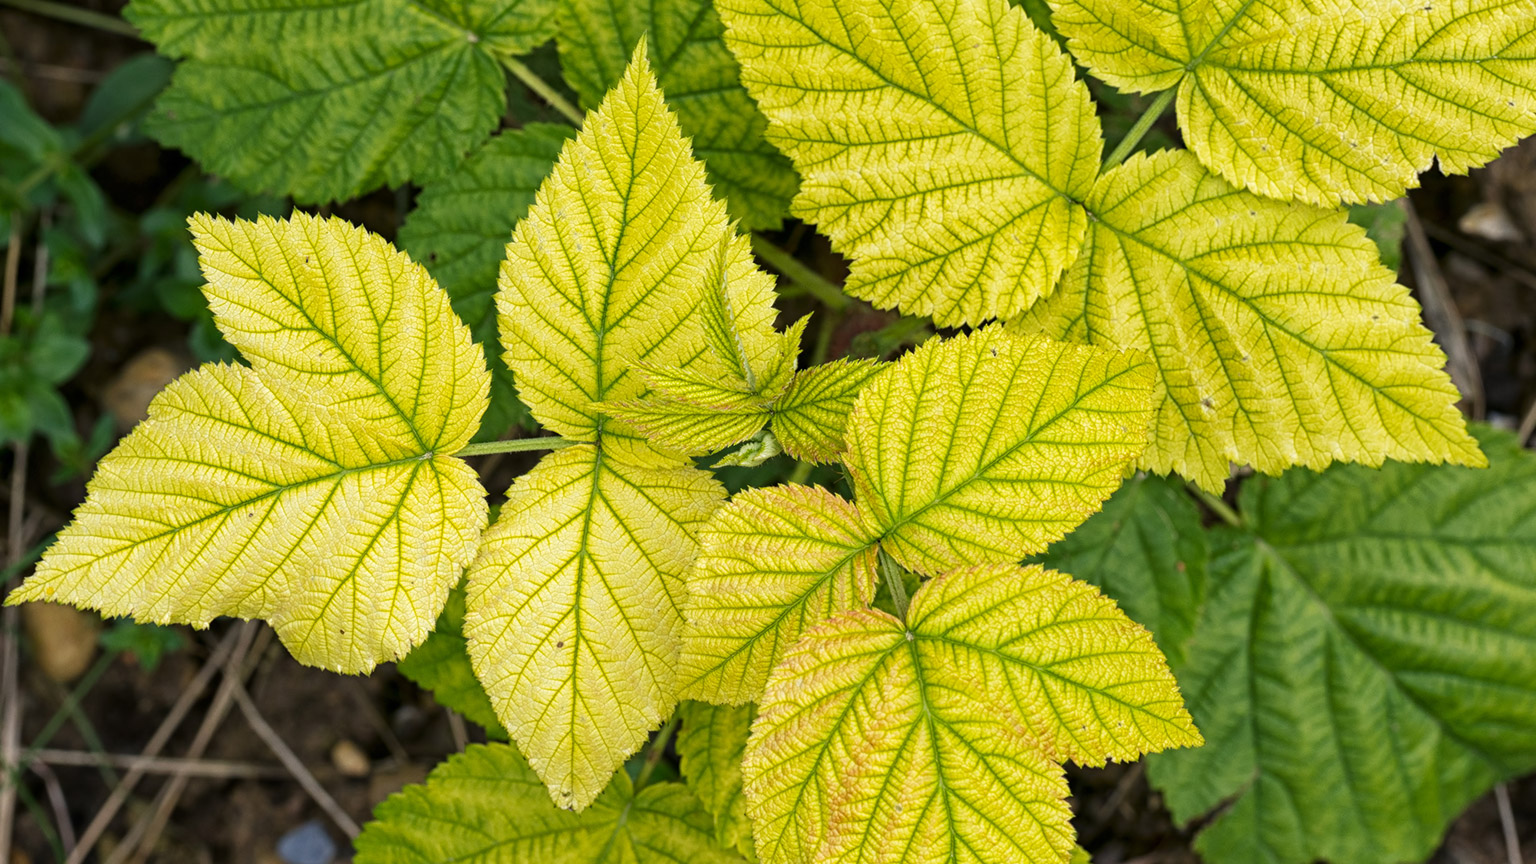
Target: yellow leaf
(878,741)
(772,562)
(613,262)
(943,144)
(987,447)
(315,488)
(1277,337)
(574,609)
(809,419)
(1326,101)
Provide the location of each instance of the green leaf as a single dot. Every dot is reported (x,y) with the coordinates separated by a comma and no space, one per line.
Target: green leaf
(1362,669)
(1324,101)
(1278,338)
(595,283)
(702,83)
(938,739)
(811,416)
(325,100)
(574,609)
(441,664)
(485,806)
(1147,552)
(315,488)
(988,447)
(461,224)
(943,144)
(1384,224)
(773,562)
(710,745)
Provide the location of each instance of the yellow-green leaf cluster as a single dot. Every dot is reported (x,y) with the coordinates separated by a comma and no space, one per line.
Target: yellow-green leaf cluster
(1324,101)
(574,622)
(315,488)
(938,738)
(943,145)
(1277,336)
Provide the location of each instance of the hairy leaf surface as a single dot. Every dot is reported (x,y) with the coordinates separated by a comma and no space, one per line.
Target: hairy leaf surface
(1277,337)
(325,100)
(942,144)
(485,806)
(989,446)
(609,268)
(1324,100)
(772,563)
(938,740)
(315,488)
(1147,552)
(575,612)
(703,86)
(710,745)
(812,415)
(1362,668)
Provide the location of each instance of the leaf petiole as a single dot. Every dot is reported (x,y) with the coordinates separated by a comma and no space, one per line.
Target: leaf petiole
(1216,505)
(893,582)
(1138,131)
(516,445)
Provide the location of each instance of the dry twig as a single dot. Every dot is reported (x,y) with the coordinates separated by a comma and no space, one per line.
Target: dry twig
(1441,314)
(217,769)
(294,765)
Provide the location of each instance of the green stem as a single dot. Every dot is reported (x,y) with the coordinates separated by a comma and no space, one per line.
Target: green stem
(70,706)
(801,473)
(516,445)
(549,94)
(1143,123)
(653,756)
(1216,505)
(75,15)
(814,283)
(893,582)
(86,145)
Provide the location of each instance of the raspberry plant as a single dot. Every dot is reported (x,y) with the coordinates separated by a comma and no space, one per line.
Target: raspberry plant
(900,673)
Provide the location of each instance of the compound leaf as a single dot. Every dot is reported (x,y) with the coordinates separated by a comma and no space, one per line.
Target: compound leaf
(609,267)
(574,609)
(461,224)
(688,428)
(710,745)
(1327,102)
(1147,552)
(703,86)
(485,806)
(323,101)
(938,740)
(1362,668)
(811,416)
(1277,336)
(987,447)
(771,563)
(317,487)
(441,664)
(943,144)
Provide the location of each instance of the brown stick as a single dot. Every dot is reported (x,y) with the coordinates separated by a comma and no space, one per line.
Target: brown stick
(1441,314)
(237,639)
(217,769)
(294,765)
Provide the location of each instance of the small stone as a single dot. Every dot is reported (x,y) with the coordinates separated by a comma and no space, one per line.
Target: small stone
(350,760)
(146,374)
(63,639)
(307,844)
